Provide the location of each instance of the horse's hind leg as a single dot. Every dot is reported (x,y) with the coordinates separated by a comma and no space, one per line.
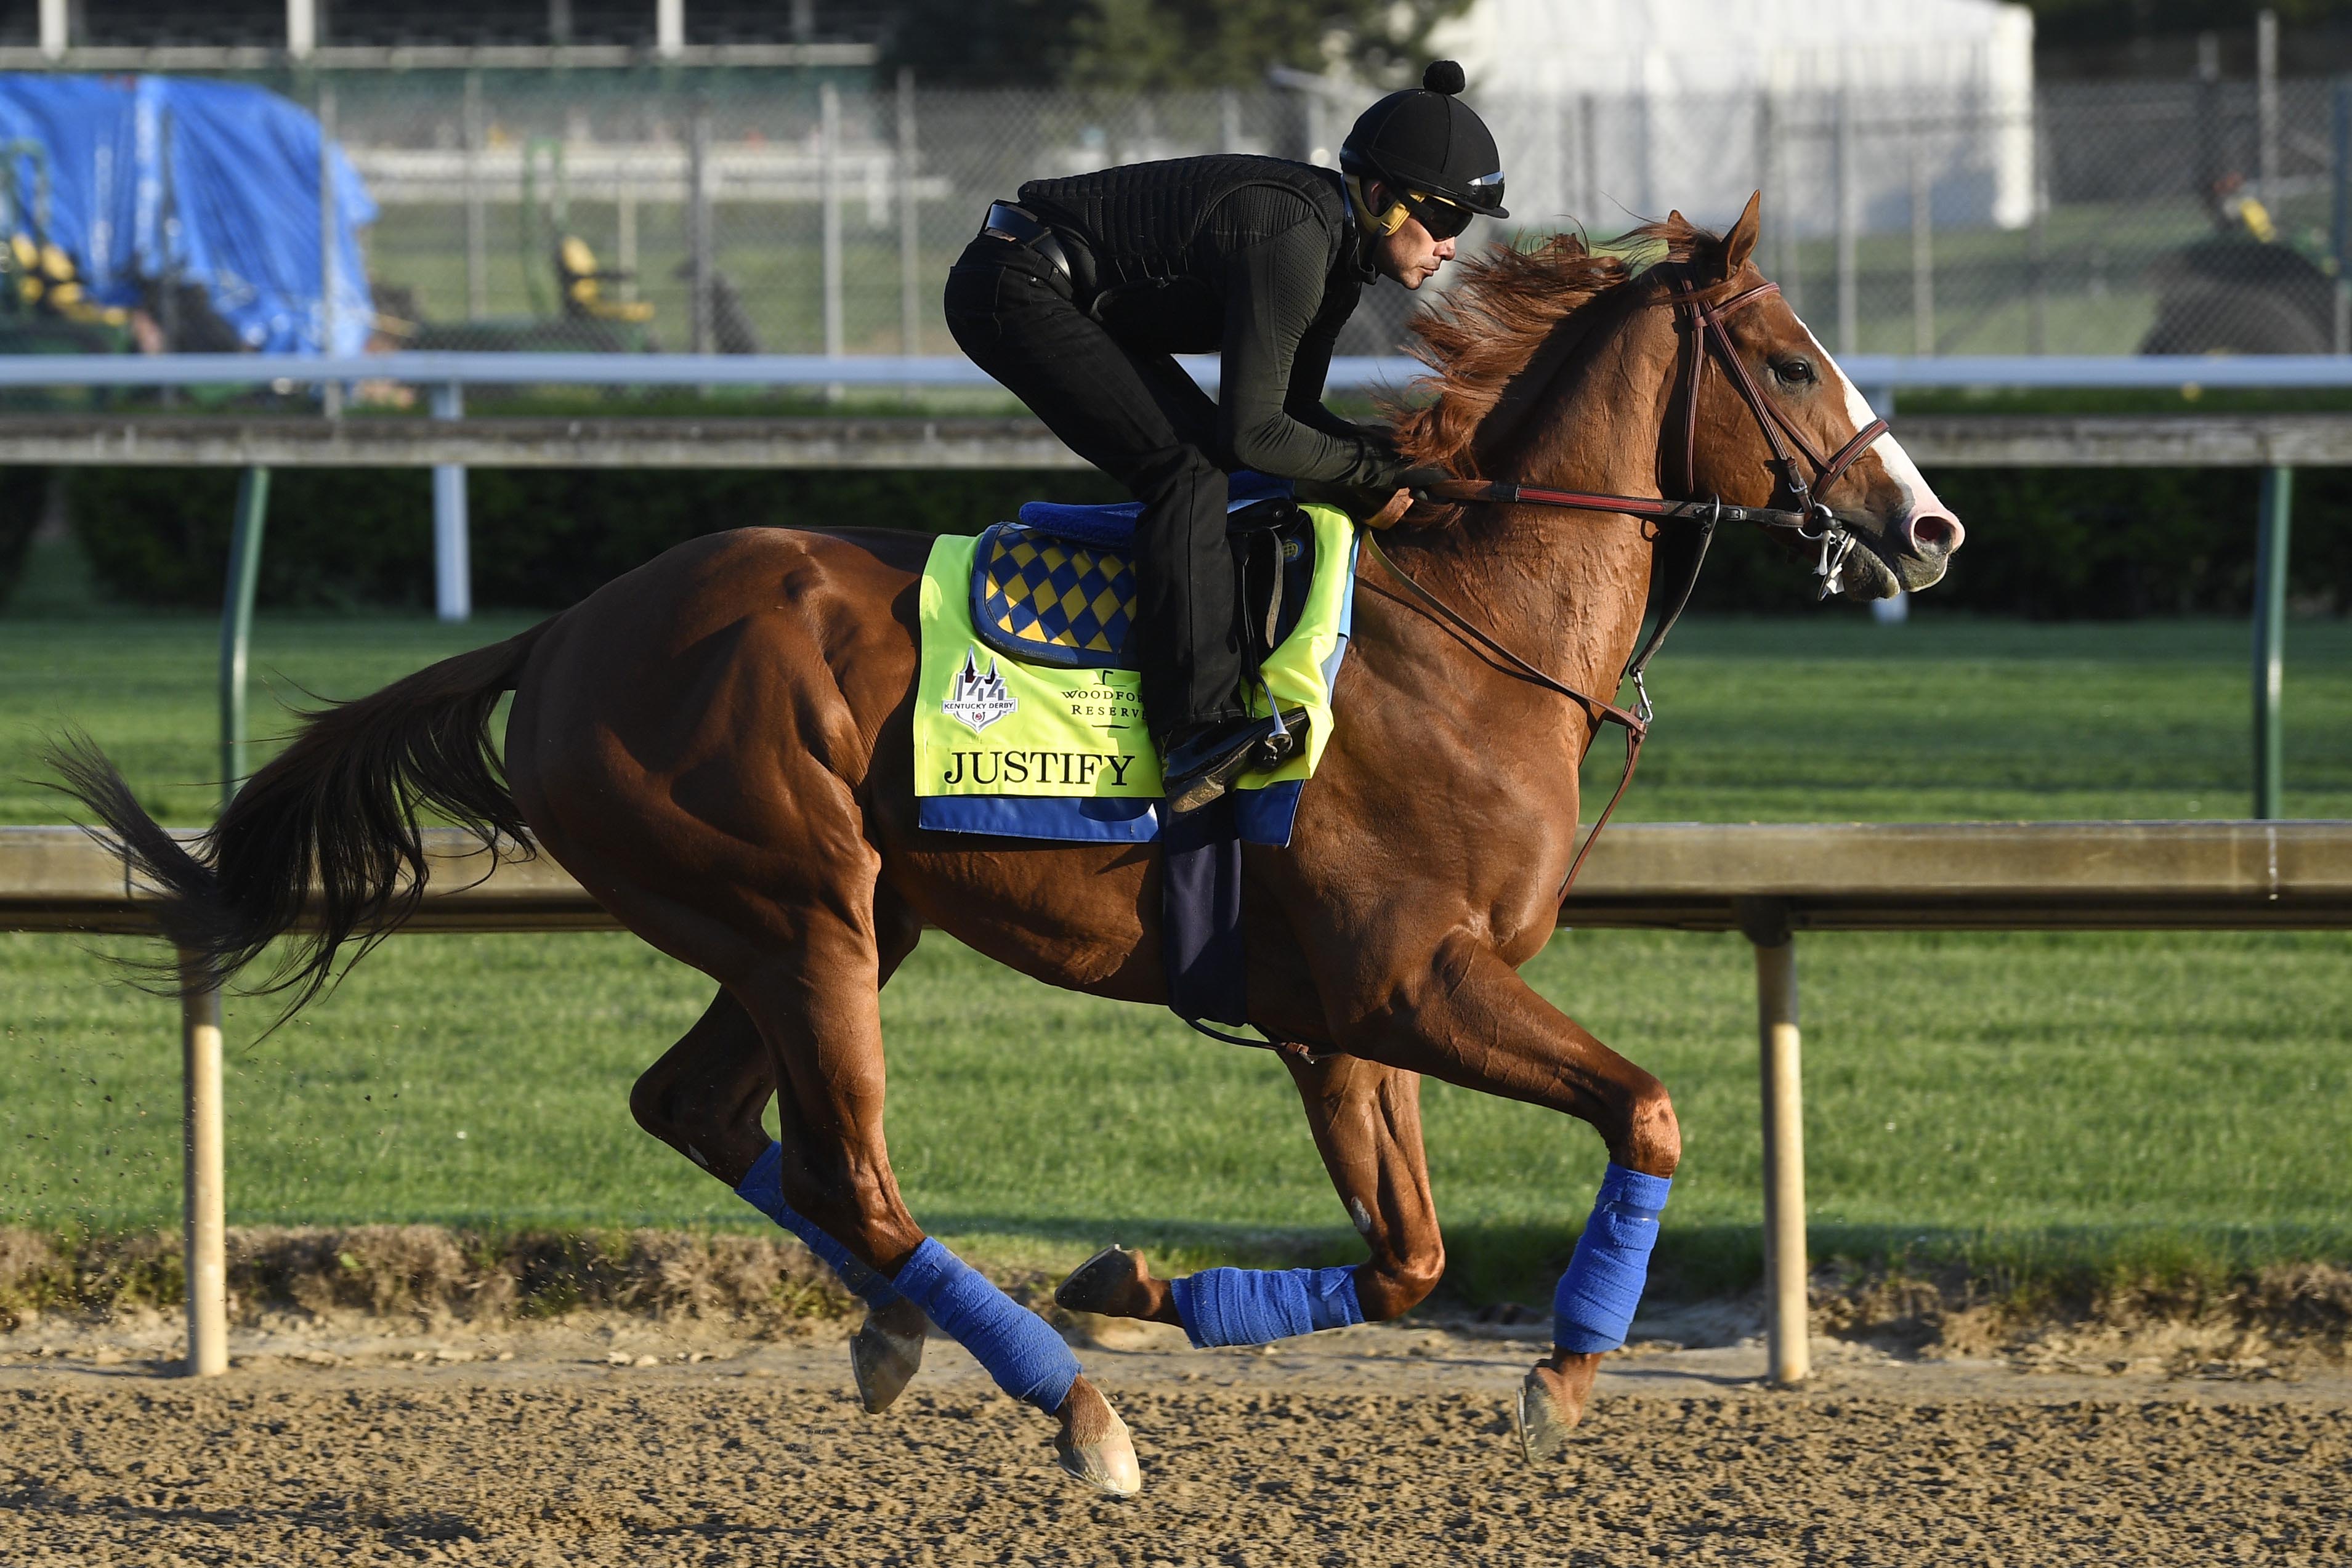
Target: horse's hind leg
(705,1095)
(816,1003)
(1366,1123)
(704,1099)
(1366,1119)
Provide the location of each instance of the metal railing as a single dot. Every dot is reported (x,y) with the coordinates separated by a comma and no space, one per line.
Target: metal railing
(1881,376)
(2279,442)
(1768,882)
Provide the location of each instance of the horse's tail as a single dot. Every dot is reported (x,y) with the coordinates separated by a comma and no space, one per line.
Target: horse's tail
(326,835)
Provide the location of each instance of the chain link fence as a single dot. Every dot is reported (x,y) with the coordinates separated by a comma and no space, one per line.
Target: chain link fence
(2087,218)
(738,212)
(814,211)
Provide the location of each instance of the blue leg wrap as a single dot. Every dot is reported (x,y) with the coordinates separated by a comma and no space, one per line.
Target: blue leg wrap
(1594,1304)
(763,1189)
(1028,1358)
(1258,1306)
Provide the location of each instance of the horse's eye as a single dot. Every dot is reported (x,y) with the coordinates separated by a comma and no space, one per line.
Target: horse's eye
(1795,371)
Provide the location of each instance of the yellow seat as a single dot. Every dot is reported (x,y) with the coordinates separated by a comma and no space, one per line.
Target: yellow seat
(25,260)
(584,281)
(47,280)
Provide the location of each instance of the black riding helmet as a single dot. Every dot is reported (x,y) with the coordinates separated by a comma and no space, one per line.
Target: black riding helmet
(1425,140)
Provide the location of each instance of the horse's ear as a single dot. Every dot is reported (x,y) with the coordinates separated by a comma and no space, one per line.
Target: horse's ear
(1740,243)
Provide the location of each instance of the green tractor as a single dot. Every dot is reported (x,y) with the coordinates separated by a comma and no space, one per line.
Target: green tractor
(2246,289)
(584,312)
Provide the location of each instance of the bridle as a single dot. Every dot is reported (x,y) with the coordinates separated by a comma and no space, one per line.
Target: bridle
(1706,340)
(1809,522)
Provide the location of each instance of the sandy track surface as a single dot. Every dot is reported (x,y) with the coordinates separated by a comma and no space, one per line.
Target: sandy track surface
(1376,1446)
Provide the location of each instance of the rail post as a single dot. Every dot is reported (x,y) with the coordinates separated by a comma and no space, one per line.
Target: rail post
(331,392)
(698,237)
(829,203)
(911,271)
(2340,206)
(1789,1352)
(2037,239)
(204,1237)
(204,1229)
(236,622)
(2266,107)
(1849,220)
(1923,249)
(452,584)
(2270,638)
(477,253)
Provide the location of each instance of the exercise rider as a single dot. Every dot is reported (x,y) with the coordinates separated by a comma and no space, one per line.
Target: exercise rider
(1075,296)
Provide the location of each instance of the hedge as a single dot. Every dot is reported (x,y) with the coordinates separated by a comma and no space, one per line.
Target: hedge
(540,539)
(2092,544)
(21,494)
(2052,544)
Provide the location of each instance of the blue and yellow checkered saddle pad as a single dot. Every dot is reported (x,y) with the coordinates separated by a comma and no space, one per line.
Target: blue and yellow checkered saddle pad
(1049,600)
(1060,595)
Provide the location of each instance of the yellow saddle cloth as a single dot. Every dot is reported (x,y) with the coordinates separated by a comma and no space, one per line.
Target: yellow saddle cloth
(1029,718)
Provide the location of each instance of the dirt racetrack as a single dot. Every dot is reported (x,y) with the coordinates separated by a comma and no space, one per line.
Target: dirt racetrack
(1375,1445)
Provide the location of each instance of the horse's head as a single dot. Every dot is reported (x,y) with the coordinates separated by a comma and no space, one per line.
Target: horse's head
(1906,536)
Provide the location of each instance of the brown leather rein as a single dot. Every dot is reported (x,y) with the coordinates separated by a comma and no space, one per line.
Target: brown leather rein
(1809,522)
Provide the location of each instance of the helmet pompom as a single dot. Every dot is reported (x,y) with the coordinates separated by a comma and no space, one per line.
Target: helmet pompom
(1445,77)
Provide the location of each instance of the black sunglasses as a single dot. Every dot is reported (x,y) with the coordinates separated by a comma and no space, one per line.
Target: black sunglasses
(1444,219)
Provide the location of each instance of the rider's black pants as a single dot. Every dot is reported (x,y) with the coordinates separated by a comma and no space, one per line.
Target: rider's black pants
(1144,422)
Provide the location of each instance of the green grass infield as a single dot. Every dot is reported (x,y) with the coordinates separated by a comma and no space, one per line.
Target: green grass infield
(2019,1104)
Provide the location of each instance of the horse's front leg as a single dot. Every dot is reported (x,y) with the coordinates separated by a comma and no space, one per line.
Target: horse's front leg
(1366,1119)
(1467,1017)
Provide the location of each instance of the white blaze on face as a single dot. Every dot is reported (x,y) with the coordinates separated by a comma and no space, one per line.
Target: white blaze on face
(1917,495)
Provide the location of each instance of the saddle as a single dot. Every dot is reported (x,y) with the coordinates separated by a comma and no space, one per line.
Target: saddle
(1056,587)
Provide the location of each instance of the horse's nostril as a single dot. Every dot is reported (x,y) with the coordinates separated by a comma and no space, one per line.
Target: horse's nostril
(1936,533)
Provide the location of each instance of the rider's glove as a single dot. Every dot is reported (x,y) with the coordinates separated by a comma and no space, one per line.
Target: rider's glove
(1375,506)
(1420,480)
(1358,501)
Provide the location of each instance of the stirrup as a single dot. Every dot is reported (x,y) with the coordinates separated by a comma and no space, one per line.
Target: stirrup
(1200,770)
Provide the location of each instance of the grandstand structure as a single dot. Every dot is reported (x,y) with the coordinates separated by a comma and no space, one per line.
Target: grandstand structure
(255,34)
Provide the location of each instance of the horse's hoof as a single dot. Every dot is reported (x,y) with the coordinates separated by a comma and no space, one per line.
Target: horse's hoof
(1544,1426)
(1093,1444)
(885,1354)
(1106,1284)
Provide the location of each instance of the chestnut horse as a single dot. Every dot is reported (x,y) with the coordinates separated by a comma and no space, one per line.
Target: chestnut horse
(718,747)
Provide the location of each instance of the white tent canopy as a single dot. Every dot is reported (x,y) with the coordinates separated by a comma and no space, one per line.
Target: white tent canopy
(1610,110)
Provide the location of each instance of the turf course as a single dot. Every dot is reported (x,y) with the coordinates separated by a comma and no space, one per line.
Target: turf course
(2019,1099)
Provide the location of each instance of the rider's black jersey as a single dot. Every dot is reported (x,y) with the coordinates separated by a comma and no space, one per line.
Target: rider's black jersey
(1253,259)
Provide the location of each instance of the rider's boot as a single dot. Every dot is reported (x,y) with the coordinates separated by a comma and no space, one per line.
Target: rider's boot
(1203,759)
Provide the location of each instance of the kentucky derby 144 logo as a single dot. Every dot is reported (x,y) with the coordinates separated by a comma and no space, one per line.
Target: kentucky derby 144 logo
(977,701)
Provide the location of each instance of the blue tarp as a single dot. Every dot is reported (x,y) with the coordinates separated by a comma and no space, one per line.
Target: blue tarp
(213,183)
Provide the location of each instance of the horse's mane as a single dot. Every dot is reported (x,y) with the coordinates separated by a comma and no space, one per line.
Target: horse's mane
(1492,322)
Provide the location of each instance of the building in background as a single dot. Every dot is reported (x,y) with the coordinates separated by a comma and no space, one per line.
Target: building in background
(301,26)
(1618,108)
(718,174)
